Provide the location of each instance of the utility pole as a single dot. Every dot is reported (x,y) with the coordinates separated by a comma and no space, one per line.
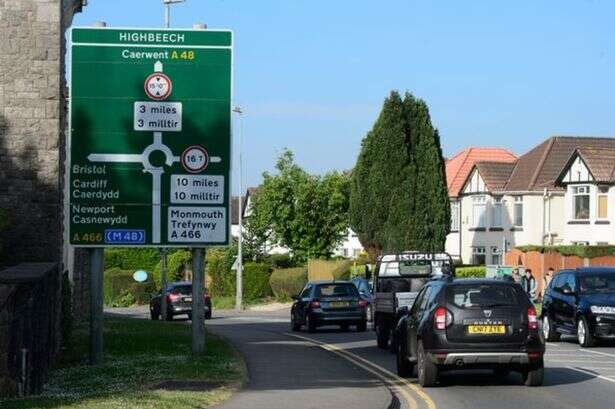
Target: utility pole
(239,277)
(167,11)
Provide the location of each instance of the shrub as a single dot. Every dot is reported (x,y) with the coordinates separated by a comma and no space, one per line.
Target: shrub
(342,270)
(580,251)
(278,261)
(121,290)
(177,263)
(132,259)
(470,272)
(221,278)
(288,282)
(256,281)
(329,269)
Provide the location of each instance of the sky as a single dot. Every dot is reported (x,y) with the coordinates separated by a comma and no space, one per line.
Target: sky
(312,75)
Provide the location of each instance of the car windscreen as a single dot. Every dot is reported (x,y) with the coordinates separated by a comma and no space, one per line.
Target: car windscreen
(336,290)
(182,289)
(597,283)
(481,295)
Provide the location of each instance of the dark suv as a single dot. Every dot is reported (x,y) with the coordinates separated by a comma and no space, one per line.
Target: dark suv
(179,301)
(329,303)
(580,302)
(470,324)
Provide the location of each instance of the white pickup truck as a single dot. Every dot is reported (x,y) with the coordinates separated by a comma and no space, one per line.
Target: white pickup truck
(398,279)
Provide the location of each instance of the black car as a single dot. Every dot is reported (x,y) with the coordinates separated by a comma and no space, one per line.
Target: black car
(365,291)
(580,302)
(470,324)
(329,303)
(179,301)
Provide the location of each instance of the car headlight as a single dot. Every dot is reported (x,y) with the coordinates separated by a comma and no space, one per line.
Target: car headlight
(602,309)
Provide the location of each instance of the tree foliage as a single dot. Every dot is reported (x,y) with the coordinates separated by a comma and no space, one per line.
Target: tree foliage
(399,200)
(294,209)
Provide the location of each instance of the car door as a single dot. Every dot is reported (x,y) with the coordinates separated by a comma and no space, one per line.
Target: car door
(568,305)
(415,318)
(557,302)
(303,301)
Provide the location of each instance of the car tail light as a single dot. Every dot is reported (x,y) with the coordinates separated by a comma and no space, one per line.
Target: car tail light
(363,303)
(173,297)
(532,319)
(314,304)
(442,318)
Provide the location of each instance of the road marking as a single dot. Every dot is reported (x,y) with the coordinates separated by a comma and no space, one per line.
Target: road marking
(377,370)
(592,374)
(577,361)
(597,352)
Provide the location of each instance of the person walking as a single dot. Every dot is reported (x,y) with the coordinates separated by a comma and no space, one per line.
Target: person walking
(528,282)
(546,280)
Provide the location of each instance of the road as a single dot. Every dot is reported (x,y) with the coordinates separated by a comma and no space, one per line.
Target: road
(334,369)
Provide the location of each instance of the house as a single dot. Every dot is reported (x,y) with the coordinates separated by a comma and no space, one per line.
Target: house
(458,169)
(550,195)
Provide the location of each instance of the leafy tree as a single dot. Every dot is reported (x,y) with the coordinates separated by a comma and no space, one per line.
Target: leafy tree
(306,213)
(399,200)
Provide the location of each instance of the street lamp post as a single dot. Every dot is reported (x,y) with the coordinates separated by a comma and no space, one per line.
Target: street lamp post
(239,277)
(167,11)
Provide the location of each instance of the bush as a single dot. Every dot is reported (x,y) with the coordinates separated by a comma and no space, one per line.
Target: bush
(121,290)
(177,263)
(471,272)
(329,269)
(342,270)
(288,282)
(278,261)
(580,251)
(132,259)
(221,278)
(256,281)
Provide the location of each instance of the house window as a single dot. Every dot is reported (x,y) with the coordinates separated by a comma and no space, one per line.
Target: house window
(478,255)
(580,195)
(603,202)
(580,243)
(518,211)
(497,212)
(496,256)
(478,211)
(454,216)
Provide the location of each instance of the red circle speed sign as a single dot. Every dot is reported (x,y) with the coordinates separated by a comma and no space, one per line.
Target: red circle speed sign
(195,159)
(158,86)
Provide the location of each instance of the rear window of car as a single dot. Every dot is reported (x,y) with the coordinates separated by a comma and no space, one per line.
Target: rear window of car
(182,289)
(598,283)
(481,295)
(336,290)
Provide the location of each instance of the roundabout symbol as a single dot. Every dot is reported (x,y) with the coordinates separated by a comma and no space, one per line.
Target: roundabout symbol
(158,86)
(195,159)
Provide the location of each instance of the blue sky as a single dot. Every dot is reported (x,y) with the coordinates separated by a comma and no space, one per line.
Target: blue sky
(312,75)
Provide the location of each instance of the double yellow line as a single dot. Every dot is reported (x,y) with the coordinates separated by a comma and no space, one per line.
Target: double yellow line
(399,385)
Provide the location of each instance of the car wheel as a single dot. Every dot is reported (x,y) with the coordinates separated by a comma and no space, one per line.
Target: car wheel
(586,339)
(190,316)
(294,325)
(154,315)
(208,315)
(534,375)
(382,335)
(427,369)
(362,326)
(549,332)
(310,324)
(404,367)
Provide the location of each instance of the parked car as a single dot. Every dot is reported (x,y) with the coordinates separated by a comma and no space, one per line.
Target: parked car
(329,303)
(470,324)
(365,291)
(580,302)
(179,301)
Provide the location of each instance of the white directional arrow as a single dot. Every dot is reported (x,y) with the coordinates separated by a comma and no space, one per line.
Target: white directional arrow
(114,157)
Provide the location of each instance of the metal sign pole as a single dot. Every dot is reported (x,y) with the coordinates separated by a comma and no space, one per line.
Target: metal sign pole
(198,301)
(96,306)
(163,281)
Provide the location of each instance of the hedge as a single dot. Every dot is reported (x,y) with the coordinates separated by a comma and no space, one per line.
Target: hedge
(342,270)
(329,269)
(580,251)
(256,281)
(132,259)
(178,262)
(221,278)
(469,272)
(121,290)
(288,282)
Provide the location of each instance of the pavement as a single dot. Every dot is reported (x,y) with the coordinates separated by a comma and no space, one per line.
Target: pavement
(334,369)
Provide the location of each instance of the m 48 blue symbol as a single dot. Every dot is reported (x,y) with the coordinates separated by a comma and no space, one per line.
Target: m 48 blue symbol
(122,236)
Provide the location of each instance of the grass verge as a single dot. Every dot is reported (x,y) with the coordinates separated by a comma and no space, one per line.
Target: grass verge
(148,364)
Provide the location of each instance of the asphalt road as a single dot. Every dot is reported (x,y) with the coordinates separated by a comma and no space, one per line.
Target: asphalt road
(334,369)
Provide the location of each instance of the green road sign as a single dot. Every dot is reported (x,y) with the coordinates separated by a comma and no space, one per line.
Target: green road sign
(150,137)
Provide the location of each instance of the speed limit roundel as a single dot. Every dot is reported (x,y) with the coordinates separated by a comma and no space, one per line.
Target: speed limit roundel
(195,159)
(158,86)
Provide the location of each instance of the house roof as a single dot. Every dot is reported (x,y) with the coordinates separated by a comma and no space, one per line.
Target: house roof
(244,200)
(541,166)
(495,174)
(600,162)
(458,168)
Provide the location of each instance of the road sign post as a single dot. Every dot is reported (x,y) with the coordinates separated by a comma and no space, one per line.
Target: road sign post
(96,306)
(198,302)
(150,141)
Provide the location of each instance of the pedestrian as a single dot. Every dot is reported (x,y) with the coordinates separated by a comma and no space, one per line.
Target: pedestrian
(515,276)
(528,282)
(546,281)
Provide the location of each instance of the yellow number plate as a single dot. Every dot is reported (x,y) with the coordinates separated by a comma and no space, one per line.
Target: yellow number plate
(340,304)
(486,329)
